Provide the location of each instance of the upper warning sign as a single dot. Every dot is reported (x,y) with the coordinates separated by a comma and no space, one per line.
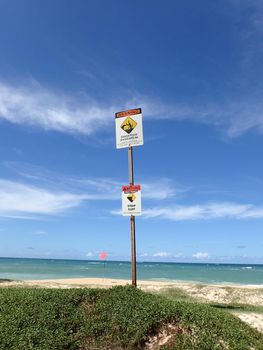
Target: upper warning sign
(129,128)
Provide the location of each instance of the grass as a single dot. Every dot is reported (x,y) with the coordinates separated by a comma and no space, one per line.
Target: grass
(117,318)
(178,294)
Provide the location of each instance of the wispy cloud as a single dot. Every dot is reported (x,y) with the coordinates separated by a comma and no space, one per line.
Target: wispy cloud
(252,30)
(33,105)
(20,200)
(40,192)
(162,188)
(99,188)
(243,116)
(206,212)
(40,233)
(107,188)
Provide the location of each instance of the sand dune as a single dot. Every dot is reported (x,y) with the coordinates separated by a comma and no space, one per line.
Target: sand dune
(241,294)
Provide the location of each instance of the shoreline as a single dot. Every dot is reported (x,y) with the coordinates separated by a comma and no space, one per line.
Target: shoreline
(116,281)
(89,281)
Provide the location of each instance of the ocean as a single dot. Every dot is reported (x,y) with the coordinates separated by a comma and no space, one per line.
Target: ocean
(29,269)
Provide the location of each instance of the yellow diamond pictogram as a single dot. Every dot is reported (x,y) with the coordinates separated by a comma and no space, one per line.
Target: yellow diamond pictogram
(131,197)
(128,125)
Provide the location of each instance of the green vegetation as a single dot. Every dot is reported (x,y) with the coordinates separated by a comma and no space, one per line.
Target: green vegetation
(238,307)
(117,318)
(178,294)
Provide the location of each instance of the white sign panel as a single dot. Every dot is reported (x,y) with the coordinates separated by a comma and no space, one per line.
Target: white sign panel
(129,128)
(131,200)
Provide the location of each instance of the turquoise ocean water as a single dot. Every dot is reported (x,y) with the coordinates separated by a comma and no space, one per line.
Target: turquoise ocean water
(28,269)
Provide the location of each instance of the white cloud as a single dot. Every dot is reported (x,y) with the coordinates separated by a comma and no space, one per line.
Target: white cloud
(201,255)
(19,200)
(33,105)
(206,211)
(36,106)
(89,254)
(51,193)
(161,255)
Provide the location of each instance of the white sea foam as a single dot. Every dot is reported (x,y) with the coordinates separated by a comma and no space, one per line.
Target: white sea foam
(95,263)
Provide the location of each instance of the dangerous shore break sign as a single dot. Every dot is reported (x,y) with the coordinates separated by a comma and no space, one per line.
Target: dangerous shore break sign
(131,200)
(129,128)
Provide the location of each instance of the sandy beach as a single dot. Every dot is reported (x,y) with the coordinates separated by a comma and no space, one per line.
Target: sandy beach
(220,293)
(88,282)
(227,294)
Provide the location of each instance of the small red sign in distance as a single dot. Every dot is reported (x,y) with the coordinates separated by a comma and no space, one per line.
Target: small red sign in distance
(103,255)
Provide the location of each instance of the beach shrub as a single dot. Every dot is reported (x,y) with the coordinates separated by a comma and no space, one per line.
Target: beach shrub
(129,316)
(116,318)
(43,319)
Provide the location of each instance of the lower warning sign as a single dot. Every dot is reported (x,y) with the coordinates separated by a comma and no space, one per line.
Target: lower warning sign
(131,200)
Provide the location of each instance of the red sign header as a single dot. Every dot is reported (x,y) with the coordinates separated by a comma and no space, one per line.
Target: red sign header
(131,188)
(128,113)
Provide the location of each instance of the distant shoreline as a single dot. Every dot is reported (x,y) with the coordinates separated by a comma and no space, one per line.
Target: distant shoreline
(140,261)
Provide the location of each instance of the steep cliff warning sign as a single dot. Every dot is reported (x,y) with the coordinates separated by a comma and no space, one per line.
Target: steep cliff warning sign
(131,200)
(128,125)
(131,197)
(129,128)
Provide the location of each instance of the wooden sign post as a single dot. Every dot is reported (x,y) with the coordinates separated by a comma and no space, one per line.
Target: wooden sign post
(129,133)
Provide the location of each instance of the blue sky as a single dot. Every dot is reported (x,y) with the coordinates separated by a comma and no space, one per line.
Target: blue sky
(194,67)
